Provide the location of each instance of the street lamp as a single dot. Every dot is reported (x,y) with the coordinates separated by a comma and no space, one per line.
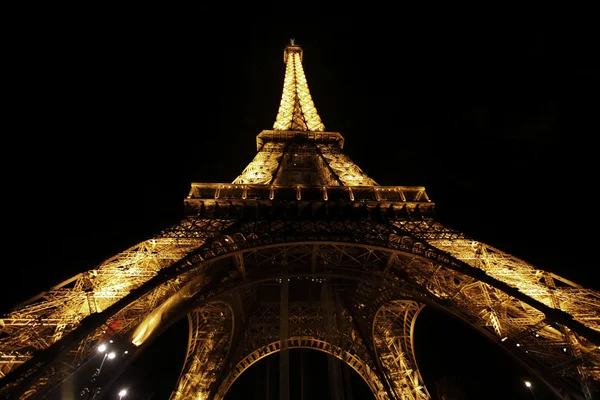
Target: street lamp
(122,393)
(102,363)
(530,387)
(110,355)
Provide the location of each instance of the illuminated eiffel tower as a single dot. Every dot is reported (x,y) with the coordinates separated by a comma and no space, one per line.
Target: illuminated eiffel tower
(301,250)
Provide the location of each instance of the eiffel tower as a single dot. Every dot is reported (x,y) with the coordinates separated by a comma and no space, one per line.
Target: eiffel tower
(301,250)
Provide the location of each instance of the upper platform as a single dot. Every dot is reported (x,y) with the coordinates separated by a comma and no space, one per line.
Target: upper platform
(284,136)
(401,202)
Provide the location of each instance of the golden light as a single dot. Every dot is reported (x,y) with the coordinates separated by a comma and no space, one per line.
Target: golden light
(296,99)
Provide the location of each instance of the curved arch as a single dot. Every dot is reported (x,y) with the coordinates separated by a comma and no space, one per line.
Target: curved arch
(393,339)
(305,342)
(211,326)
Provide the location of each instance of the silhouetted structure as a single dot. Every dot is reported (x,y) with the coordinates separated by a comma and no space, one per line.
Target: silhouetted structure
(301,250)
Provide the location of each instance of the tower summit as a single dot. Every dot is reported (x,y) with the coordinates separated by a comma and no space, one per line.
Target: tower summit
(303,250)
(297,111)
(298,151)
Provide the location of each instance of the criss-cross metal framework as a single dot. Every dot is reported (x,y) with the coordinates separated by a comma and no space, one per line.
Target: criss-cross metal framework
(302,250)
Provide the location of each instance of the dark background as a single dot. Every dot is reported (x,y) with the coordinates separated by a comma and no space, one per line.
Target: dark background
(112,122)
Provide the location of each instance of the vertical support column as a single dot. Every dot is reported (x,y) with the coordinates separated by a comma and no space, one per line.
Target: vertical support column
(347,381)
(302,375)
(345,368)
(284,355)
(335,376)
(268,380)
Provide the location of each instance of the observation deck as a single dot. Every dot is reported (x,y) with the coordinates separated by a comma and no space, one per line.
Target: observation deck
(398,202)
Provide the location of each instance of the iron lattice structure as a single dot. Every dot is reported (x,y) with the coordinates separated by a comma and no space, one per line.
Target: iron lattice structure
(301,250)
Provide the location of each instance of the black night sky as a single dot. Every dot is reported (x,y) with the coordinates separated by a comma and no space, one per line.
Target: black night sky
(497,121)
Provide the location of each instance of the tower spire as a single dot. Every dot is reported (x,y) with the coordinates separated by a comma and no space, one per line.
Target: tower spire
(297,111)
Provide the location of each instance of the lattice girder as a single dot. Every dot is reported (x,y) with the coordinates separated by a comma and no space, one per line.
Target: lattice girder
(62,308)
(393,330)
(211,331)
(297,111)
(262,168)
(331,166)
(347,171)
(368,251)
(306,331)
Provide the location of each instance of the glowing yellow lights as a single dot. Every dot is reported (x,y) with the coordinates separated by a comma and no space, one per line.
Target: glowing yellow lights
(297,110)
(348,172)
(149,325)
(261,168)
(417,246)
